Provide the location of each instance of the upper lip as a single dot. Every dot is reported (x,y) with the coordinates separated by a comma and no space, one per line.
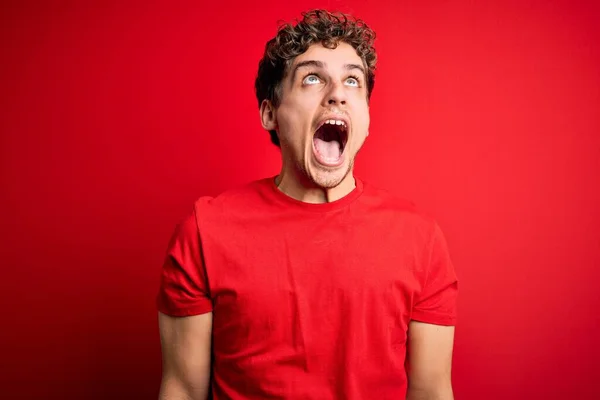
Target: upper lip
(336,117)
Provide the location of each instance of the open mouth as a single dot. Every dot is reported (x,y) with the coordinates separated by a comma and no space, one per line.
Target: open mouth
(330,140)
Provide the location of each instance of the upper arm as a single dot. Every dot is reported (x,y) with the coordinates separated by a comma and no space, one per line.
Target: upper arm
(185,316)
(431,329)
(430,358)
(186,355)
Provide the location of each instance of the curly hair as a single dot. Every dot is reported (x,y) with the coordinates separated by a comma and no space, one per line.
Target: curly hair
(316,26)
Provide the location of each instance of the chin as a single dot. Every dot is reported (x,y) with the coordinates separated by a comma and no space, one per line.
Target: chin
(328,177)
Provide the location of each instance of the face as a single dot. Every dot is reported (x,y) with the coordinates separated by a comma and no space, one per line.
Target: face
(323,116)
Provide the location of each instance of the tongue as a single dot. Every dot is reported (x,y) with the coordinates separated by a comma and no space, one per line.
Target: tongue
(328,150)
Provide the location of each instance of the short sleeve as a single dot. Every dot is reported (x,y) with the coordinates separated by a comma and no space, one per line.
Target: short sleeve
(437,301)
(183,284)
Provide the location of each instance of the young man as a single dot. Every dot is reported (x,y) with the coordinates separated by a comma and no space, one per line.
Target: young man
(311,284)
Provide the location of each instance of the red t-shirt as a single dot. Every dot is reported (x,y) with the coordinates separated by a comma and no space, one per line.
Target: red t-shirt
(309,301)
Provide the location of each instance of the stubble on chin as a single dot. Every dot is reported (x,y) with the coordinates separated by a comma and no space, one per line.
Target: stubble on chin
(317,176)
(324,178)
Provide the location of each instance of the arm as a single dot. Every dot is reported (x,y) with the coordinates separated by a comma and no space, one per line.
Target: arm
(429,361)
(185,317)
(186,353)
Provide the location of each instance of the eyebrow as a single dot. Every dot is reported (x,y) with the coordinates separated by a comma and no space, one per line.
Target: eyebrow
(349,67)
(321,65)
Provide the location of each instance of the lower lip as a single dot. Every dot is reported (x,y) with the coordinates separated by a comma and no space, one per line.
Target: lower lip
(327,162)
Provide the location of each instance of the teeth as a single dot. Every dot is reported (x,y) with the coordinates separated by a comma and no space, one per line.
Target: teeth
(335,122)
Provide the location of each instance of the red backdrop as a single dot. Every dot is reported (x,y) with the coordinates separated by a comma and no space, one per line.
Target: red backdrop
(115,118)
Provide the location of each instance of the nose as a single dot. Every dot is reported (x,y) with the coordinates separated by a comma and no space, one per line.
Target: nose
(336,95)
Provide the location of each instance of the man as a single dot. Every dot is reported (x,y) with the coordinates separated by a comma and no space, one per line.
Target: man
(311,284)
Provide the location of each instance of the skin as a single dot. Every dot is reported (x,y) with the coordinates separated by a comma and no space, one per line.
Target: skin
(320,89)
(186,352)
(430,361)
(332,86)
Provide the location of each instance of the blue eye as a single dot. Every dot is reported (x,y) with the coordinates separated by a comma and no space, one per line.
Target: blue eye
(352,82)
(311,80)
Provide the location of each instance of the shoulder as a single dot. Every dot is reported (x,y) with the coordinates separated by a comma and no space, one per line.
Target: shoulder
(239,200)
(410,224)
(396,208)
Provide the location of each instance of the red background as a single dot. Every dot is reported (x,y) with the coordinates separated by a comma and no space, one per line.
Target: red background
(115,118)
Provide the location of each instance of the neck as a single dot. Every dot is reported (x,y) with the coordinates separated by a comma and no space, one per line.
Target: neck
(298,186)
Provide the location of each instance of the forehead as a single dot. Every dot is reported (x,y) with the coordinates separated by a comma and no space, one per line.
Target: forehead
(336,58)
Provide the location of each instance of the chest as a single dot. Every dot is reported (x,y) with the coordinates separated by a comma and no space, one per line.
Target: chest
(314,295)
(257,267)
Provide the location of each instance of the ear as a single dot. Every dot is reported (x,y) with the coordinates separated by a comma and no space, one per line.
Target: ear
(267,115)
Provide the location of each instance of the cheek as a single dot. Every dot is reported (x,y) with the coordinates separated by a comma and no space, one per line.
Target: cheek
(367,119)
(363,119)
(285,121)
(292,122)
(291,128)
